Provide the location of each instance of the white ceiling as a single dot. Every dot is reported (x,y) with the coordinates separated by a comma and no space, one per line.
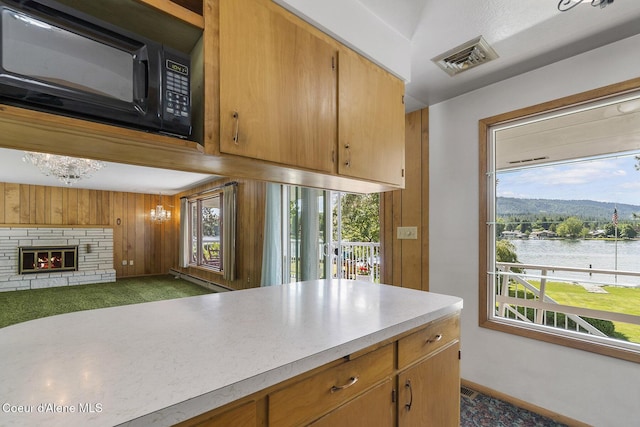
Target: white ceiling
(526,34)
(113,177)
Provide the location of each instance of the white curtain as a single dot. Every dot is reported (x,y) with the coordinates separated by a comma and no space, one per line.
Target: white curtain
(183,260)
(272,249)
(229,196)
(309,236)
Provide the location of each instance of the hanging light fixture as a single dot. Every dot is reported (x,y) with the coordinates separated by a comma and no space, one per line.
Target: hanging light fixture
(159,213)
(66,169)
(565,5)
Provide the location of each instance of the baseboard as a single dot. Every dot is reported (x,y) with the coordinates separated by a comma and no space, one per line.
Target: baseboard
(198,281)
(524,405)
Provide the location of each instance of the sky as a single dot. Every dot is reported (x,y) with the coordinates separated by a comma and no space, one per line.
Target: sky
(613,180)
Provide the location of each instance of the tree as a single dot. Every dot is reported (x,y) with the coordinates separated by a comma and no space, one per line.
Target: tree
(627,230)
(584,233)
(570,227)
(210,221)
(360,217)
(506,251)
(610,230)
(500,226)
(524,227)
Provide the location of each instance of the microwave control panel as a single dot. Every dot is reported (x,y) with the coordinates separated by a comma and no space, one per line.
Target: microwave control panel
(177,100)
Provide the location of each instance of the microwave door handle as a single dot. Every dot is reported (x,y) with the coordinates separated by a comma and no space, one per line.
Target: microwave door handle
(141,85)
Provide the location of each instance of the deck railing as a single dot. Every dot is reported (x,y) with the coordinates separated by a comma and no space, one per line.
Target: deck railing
(516,297)
(349,260)
(358,260)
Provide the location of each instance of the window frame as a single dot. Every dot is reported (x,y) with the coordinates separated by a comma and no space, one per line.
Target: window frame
(486,300)
(197,201)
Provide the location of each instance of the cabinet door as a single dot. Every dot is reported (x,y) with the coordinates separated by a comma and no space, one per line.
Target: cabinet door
(278,88)
(371,121)
(429,392)
(374,408)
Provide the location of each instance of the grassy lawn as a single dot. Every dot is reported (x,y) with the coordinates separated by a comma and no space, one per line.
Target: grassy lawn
(618,299)
(20,306)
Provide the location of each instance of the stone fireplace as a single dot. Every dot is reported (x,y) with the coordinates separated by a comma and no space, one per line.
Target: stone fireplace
(43,257)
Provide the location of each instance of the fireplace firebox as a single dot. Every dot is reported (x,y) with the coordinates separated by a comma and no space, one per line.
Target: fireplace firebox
(43,259)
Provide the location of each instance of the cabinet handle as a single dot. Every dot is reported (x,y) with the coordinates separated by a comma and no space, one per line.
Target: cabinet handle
(407,406)
(235,134)
(351,382)
(348,162)
(436,338)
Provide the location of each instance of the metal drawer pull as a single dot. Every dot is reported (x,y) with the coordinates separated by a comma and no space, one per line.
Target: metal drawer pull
(351,382)
(434,339)
(407,406)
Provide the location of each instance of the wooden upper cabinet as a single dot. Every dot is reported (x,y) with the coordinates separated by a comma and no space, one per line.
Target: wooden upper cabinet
(371,129)
(193,5)
(277,88)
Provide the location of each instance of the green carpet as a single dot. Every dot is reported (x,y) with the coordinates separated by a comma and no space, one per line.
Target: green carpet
(20,306)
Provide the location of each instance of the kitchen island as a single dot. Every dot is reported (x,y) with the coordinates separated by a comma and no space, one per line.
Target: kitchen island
(164,362)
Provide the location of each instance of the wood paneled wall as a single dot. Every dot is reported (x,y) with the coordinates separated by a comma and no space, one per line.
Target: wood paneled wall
(151,246)
(406,262)
(249,236)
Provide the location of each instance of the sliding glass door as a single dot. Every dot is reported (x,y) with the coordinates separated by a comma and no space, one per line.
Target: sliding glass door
(323,234)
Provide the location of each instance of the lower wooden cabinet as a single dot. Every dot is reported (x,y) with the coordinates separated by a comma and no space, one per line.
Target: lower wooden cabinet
(429,375)
(412,380)
(429,392)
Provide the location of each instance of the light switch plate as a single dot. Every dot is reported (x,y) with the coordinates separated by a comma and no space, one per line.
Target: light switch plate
(407,233)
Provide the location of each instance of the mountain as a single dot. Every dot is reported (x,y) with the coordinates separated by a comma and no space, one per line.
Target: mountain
(510,206)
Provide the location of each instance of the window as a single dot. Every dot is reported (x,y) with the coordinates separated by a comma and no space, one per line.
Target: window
(559,212)
(205,224)
(208,230)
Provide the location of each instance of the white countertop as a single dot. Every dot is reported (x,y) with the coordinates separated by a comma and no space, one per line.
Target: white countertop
(163,362)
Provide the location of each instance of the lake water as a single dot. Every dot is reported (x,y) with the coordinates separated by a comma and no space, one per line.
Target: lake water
(597,254)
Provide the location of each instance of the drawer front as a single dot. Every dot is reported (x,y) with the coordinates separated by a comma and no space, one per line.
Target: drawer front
(425,341)
(373,408)
(307,400)
(241,416)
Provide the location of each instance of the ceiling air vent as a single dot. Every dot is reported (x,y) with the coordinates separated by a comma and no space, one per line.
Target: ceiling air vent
(468,55)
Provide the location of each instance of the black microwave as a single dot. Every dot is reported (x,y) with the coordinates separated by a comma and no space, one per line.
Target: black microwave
(57,59)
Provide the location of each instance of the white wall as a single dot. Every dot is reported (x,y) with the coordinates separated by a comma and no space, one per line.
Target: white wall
(598,390)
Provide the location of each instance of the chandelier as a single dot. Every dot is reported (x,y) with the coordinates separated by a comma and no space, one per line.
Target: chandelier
(67,169)
(565,5)
(160,213)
